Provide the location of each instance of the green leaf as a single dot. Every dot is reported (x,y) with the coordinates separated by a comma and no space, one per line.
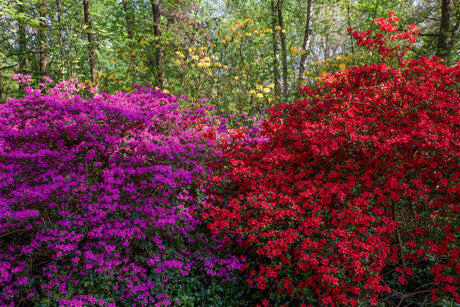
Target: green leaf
(20,16)
(34,22)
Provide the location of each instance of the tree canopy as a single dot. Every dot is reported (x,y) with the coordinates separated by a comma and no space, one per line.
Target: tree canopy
(256,51)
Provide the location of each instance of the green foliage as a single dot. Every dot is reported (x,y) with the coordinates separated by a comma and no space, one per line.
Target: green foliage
(191,291)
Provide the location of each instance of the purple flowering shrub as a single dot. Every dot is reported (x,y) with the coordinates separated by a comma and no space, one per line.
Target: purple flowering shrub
(98,199)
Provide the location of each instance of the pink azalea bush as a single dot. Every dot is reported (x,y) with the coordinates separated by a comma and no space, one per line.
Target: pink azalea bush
(98,199)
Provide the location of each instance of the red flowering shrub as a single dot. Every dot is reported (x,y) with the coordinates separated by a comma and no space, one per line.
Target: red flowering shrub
(355,196)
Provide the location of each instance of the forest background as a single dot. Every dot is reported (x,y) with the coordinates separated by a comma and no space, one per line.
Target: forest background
(242,56)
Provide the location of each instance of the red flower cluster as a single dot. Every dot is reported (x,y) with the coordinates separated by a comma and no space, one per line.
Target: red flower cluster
(381,42)
(359,178)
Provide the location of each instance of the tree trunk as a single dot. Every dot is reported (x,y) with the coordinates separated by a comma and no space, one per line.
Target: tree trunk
(306,42)
(276,56)
(43,48)
(349,26)
(129,24)
(279,9)
(68,29)
(129,30)
(157,52)
(91,49)
(61,48)
(156,17)
(442,47)
(22,43)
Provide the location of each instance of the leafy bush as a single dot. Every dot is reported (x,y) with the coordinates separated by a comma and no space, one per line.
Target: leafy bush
(97,200)
(354,198)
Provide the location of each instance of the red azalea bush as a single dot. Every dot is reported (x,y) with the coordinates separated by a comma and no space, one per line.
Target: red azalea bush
(355,197)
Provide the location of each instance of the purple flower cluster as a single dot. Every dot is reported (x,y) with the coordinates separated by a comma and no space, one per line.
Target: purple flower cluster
(98,198)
